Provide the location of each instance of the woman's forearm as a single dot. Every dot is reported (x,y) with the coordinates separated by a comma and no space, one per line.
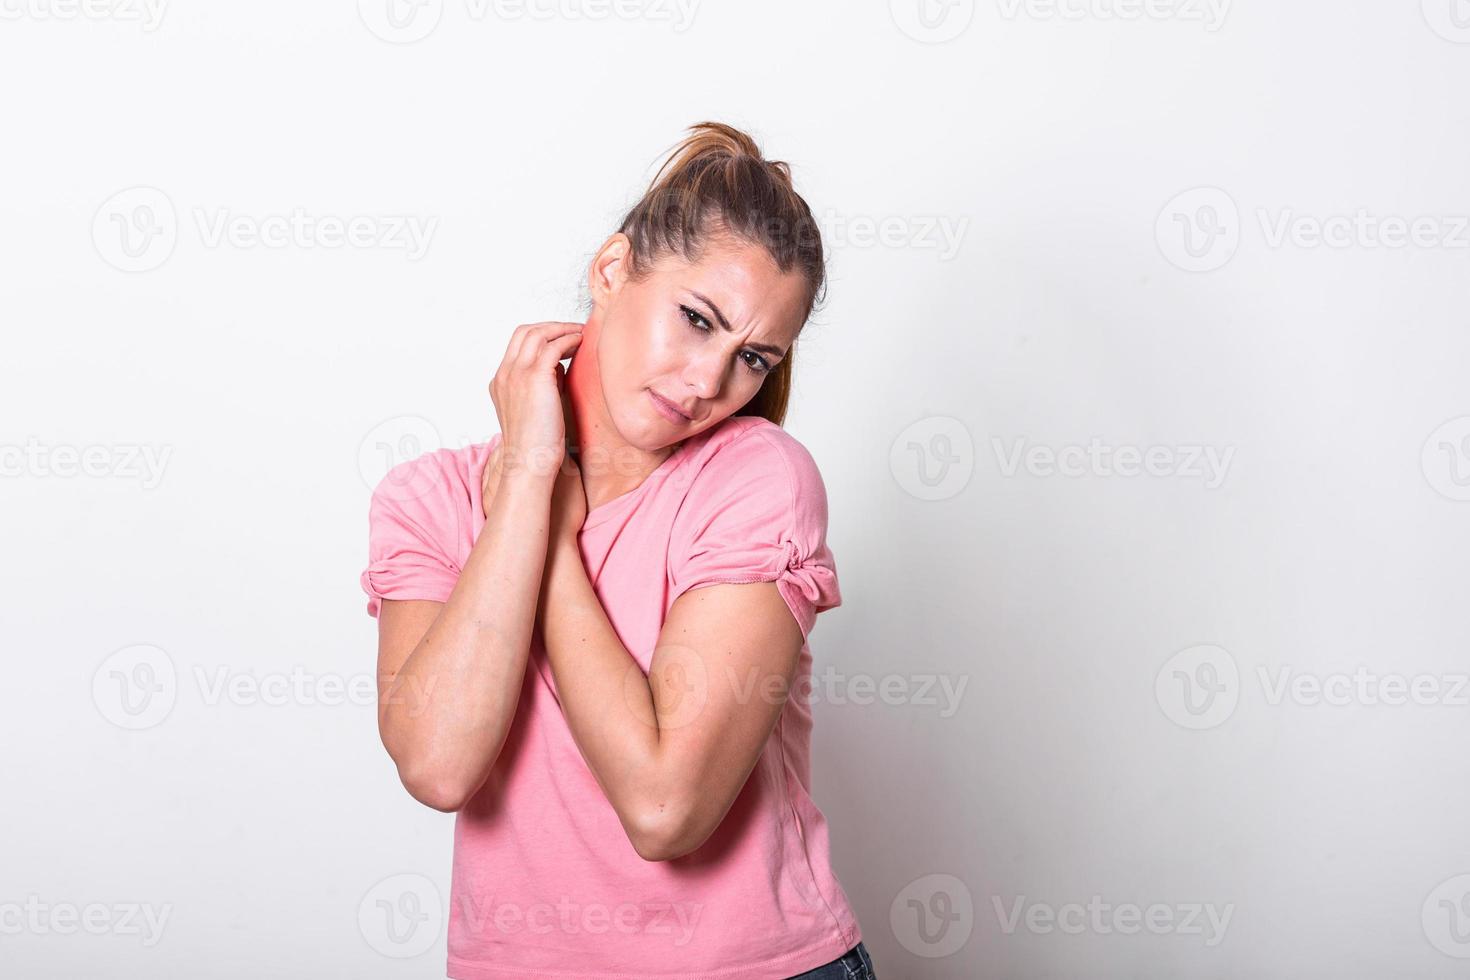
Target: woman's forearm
(451,704)
(605,696)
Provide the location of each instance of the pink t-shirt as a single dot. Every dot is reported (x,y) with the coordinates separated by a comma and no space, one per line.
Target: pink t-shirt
(545,881)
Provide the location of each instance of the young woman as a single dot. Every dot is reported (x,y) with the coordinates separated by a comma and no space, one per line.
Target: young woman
(592,628)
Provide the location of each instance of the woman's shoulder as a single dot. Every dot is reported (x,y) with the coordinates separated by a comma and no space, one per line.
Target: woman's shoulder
(750,442)
(757,463)
(755,510)
(436,480)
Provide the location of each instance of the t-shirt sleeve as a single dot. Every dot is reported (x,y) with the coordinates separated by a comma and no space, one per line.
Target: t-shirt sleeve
(757,512)
(410,534)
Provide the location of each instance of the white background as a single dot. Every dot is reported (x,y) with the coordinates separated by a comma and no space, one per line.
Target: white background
(1084,299)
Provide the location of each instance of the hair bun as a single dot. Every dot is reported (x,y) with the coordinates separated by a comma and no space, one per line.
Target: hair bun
(708,142)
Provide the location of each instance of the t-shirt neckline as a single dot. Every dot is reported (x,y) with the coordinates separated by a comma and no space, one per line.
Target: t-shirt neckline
(608,509)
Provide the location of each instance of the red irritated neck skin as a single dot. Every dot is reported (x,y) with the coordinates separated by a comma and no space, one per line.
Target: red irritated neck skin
(701,335)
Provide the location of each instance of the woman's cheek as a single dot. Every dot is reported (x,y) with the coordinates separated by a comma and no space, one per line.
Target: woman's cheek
(668,343)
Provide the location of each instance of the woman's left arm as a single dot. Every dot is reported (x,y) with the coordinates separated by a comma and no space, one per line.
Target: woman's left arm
(671,750)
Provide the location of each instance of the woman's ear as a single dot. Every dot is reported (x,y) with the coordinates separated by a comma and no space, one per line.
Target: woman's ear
(609,268)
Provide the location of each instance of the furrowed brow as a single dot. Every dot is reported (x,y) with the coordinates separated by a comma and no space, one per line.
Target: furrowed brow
(763,348)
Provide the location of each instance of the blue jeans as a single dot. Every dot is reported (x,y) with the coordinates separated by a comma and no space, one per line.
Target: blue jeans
(855,964)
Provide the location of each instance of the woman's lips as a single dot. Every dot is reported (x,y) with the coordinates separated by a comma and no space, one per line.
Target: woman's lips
(666,408)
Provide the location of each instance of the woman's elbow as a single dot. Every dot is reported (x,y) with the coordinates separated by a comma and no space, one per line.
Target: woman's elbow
(442,793)
(428,780)
(661,835)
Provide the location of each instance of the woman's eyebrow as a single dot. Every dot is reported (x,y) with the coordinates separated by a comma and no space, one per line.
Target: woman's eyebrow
(763,348)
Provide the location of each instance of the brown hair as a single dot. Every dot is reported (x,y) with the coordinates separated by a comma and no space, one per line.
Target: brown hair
(716,182)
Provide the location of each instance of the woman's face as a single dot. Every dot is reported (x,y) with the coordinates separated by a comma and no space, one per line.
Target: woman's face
(687,346)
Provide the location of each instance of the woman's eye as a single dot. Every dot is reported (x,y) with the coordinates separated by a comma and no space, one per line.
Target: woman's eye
(759,364)
(695,317)
(698,320)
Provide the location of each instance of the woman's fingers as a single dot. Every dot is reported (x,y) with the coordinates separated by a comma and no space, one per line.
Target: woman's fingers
(520,336)
(538,335)
(529,410)
(560,347)
(555,328)
(528,344)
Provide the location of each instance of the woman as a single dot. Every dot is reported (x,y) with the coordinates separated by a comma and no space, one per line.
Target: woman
(646,539)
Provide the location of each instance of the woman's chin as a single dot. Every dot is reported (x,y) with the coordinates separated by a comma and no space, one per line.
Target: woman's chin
(643,434)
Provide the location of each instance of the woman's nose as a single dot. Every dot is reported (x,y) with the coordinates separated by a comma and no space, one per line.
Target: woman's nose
(706,374)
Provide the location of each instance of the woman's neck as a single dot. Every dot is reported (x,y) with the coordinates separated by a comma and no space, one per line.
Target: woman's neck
(622,467)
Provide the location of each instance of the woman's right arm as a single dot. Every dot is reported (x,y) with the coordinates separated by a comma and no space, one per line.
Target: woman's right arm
(450,673)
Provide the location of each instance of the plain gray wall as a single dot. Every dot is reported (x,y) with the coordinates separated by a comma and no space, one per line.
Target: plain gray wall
(1140,395)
